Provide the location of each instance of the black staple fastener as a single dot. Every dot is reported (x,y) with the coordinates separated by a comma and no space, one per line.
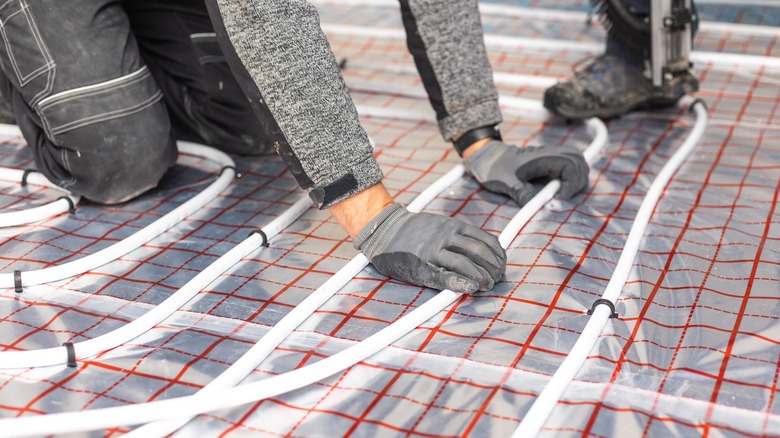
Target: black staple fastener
(237,175)
(71,353)
(71,205)
(26,174)
(695,101)
(18,281)
(608,303)
(262,234)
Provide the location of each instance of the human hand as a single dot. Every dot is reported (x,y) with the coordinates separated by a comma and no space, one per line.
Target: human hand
(509,170)
(432,250)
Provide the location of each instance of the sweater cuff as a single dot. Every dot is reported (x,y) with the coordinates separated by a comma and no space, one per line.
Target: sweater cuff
(482,114)
(361,176)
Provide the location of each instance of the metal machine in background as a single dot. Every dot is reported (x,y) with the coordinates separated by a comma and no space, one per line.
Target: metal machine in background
(662,30)
(671,23)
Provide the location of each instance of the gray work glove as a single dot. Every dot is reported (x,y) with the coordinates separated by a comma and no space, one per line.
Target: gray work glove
(509,170)
(432,250)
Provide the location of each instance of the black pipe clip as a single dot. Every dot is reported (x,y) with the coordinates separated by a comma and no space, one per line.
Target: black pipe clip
(26,173)
(262,234)
(18,281)
(235,172)
(606,302)
(71,205)
(695,101)
(71,353)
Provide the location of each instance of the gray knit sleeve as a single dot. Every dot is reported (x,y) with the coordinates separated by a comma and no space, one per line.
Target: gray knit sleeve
(446,39)
(294,72)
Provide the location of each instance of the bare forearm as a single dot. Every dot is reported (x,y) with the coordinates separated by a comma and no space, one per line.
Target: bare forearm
(355,212)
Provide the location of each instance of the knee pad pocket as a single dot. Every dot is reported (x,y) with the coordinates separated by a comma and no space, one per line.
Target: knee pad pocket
(92,104)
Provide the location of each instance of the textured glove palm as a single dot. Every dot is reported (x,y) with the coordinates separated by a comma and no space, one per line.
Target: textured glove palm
(432,250)
(509,170)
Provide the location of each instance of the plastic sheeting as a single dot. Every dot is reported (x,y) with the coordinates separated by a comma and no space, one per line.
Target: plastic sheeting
(696,350)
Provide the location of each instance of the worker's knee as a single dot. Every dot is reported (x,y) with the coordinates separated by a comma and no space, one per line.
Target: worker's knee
(107,144)
(120,159)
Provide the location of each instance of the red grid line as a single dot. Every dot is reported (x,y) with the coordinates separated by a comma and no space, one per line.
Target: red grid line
(656,288)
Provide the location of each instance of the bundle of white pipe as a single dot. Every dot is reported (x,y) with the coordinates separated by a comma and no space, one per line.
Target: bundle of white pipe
(176,412)
(30,215)
(544,404)
(113,252)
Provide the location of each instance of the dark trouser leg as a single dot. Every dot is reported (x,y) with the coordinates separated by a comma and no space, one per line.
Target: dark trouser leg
(6,113)
(83,98)
(205,102)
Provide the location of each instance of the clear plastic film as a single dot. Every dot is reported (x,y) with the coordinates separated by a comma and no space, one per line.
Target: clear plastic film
(694,351)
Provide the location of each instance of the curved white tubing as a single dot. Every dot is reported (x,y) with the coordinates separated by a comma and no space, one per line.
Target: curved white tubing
(135,328)
(177,411)
(249,361)
(76,267)
(740,2)
(41,212)
(10,130)
(45,211)
(510,79)
(266,345)
(546,401)
(579,17)
(697,56)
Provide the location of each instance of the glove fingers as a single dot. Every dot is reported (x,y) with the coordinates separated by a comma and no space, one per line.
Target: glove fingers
(569,168)
(411,269)
(490,241)
(479,253)
(454,282)
(544,166)
(522,192)
(570,182)
(574,178)
(468,267)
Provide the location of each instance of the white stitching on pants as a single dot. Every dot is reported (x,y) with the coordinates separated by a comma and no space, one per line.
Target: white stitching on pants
(108,115)
(47,67)
(88,90)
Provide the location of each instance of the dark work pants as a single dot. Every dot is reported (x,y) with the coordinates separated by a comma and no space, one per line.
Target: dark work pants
(102,88)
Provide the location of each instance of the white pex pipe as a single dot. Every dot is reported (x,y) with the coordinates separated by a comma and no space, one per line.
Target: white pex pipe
(178,411)
(561,15)
(249,361)
(271,340)
(61,205)
(86,349)
(27,216)
(19,279)
(534,420)
(714,58)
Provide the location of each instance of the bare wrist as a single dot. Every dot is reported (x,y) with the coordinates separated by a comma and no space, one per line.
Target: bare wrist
(356,211)
(477,145)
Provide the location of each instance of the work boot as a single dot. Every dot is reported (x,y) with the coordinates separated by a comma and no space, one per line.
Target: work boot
(609,86)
